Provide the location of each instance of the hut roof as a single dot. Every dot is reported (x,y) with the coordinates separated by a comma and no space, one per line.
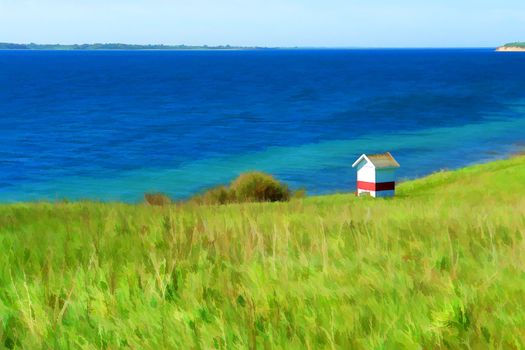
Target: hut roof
(379,161)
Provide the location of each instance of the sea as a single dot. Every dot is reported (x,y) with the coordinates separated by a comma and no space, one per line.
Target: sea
(113,125)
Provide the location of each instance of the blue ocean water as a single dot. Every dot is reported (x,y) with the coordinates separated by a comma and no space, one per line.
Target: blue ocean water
(109,125)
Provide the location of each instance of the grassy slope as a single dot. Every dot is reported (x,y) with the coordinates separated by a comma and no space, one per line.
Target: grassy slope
(442,265)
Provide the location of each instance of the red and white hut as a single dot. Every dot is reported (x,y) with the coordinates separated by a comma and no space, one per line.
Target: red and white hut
(376,174)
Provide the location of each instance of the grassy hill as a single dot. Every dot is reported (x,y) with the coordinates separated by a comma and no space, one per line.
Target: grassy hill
(440,266)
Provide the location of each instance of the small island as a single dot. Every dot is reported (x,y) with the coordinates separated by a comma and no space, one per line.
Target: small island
(512,47)
(118,46)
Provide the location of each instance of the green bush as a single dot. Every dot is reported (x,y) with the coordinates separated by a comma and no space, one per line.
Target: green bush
(217,195)
(248,187)
(259,187)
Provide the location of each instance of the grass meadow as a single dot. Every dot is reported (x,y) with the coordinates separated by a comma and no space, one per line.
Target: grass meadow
(442,265)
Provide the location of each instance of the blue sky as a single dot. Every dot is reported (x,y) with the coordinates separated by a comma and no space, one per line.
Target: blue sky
(321,23)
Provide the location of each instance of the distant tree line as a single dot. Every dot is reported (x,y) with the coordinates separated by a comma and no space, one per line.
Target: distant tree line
(516,44)
(33,46)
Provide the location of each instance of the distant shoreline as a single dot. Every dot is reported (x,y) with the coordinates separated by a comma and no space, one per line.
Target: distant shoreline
(121,47)
(161,47)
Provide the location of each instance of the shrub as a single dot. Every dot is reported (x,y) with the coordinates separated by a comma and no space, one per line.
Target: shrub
(217,195)
(157,199)
(248,187)
(259,187)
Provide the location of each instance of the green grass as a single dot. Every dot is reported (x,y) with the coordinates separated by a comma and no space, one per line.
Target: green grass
(440,266)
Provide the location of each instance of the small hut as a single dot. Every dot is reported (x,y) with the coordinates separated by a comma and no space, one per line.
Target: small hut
(376,175)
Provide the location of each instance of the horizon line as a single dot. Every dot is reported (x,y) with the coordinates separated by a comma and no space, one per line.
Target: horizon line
(226,46)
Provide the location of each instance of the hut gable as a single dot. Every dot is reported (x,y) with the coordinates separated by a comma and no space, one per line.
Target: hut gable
(378,161)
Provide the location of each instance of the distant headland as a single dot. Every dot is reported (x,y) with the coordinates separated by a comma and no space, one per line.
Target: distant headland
(512,47)
(118,46)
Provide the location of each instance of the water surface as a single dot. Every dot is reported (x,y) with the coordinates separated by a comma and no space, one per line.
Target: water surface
(112,125)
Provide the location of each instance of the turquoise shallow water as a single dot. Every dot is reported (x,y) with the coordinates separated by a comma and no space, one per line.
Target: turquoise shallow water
(111,126)
(312,159)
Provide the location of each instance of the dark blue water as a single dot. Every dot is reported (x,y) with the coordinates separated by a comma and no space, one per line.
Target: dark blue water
(113,125)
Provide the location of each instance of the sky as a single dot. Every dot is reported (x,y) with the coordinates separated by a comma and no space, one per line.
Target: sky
(269,23)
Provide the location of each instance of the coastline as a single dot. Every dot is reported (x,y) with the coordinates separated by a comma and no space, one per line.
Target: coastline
(512,157)
(510,49)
